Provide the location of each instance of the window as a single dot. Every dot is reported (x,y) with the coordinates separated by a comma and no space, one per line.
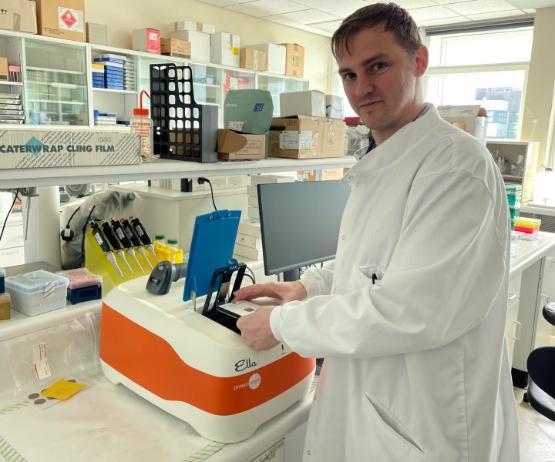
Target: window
(485,68)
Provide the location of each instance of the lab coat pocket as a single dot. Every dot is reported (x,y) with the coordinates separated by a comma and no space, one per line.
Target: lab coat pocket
(372,273)
(406,446)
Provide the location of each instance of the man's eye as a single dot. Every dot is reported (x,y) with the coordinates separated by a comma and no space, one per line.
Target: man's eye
(348,76)
(378,67)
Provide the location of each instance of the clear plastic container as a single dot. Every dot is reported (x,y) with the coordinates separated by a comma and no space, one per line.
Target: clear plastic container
(37,292)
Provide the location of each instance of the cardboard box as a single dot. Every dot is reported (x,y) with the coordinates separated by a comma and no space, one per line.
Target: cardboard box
(175,47)
(63,19)
(147,40)
(334,107)
(195,26)
(240,146)
(18,15)
(253,59)
(276,56)
(250,228)
(4,68)
(200,44)
(472,119)
(311,103)
(97,33)
(249,241)
(294,59)
(248,253)
(304,137)
(62,148)
(224,48)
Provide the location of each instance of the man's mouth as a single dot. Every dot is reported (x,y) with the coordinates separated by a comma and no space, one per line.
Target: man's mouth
(369,105)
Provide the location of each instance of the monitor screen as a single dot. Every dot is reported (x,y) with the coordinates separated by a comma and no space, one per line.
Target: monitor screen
(300,222)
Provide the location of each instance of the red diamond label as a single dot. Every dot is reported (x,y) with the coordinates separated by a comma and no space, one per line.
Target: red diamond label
(68,18)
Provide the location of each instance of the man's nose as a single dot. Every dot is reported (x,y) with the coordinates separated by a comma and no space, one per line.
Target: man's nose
(364,86)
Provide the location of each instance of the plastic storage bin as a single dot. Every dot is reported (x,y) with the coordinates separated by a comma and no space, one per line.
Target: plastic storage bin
(37,292)
(83,286)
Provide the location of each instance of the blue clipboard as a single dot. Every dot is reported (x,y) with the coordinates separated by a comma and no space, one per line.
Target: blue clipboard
(212,246)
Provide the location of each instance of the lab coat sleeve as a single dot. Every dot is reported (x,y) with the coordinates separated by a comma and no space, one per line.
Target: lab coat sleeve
(318,281)
(444,275)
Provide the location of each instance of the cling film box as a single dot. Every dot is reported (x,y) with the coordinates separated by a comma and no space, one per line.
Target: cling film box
(53,148)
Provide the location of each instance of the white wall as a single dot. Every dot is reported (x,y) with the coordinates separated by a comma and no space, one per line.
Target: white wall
(122,16)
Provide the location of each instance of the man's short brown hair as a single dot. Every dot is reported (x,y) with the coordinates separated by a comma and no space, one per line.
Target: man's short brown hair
(394,19)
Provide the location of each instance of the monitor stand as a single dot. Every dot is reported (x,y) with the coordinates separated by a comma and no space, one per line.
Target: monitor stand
(291,275)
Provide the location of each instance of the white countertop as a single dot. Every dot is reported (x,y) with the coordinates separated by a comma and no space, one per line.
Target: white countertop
(525,251)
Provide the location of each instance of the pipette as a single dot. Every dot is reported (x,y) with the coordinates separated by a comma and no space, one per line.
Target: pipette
(99,236)
(126,242)
(130,231)
(115,243)
(143,236)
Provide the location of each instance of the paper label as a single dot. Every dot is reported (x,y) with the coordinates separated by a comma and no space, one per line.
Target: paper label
(70,19)
(236,125)
(302,141)
(63,389)
(40,361)
(235,51)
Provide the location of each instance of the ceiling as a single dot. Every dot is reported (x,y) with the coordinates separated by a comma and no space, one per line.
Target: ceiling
(324,16)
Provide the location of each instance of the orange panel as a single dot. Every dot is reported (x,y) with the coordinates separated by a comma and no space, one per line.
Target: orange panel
(151,362)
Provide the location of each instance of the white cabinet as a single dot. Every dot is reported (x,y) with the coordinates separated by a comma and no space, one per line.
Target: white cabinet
(512,328)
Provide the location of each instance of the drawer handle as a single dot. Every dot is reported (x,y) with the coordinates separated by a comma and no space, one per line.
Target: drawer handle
(517,330)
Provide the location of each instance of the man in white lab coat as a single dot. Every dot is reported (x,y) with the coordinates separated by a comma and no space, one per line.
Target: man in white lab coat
(410,319)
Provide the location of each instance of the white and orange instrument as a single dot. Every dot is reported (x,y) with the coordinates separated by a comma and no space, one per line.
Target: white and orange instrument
(194,368)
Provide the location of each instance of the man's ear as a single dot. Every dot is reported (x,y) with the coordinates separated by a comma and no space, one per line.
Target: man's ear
(421,61)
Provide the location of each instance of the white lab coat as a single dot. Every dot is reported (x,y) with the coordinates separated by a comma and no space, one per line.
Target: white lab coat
(416,367)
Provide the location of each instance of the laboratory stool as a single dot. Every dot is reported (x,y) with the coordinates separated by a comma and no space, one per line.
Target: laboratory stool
(541,385)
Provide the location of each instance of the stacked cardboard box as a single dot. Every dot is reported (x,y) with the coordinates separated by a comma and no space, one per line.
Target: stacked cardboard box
(147,40)
(97,33)
(195,26)
(249,240)
(200,44)
(62,19)
(224,48)
(294,59)
(275,57)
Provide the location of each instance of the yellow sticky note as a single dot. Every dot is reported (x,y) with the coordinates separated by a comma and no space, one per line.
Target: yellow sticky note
(235,51)
(63,389)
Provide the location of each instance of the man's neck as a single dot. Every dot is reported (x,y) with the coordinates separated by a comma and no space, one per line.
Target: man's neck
(411,114)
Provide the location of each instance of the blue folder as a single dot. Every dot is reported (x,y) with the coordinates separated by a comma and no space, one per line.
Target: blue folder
(212,246)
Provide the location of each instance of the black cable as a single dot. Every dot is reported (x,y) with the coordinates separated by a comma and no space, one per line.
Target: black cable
(202,180)
(72,215)
(250,277)
(253,278)
(8,214)
(84,231)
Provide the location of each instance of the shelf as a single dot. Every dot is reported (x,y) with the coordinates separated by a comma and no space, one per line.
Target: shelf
(15,84)
(209,85)
(57,84)
(161,169)
(111,90)
(58,71)
(513,178)
(55,101)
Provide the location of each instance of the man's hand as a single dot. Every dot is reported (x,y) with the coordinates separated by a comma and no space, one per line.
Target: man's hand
(255,329)
(283,291)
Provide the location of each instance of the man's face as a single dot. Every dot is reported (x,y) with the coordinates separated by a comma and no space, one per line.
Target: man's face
(379,77)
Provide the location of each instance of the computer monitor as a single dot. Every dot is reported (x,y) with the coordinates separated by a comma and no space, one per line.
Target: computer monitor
(300,223)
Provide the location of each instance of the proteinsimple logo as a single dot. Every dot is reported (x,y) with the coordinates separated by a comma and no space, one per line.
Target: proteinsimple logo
(34,146)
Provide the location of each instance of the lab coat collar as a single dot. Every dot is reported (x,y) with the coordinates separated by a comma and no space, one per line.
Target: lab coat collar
(400,143)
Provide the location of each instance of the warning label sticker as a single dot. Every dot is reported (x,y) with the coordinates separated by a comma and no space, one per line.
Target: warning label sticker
(70,19)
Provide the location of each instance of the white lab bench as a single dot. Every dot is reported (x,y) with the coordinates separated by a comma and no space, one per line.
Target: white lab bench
(107,422)
(531,262)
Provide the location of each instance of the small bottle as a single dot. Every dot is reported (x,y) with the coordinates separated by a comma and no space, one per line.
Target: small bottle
(5,306)
(160,238)
(173,242)
(141,124)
